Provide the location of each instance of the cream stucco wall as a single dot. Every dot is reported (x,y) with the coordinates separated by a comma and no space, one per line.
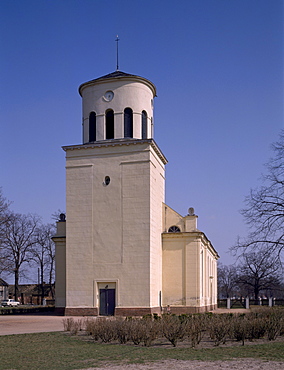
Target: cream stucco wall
(172,218)
(114,231)
(60,264)
(189,263)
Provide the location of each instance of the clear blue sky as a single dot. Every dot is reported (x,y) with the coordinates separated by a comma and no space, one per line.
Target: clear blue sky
(218,69)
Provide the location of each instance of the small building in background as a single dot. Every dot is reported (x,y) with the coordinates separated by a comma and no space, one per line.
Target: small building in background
(31,294)
(4,290)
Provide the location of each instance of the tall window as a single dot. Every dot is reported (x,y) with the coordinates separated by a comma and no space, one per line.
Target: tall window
(128,122)
(144,125)
(92,126)
(109,124)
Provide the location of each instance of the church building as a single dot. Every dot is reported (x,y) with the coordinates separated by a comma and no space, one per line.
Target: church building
(121,250)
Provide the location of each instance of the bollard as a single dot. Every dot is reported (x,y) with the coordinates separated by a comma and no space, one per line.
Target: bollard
(247,303)
(228,303)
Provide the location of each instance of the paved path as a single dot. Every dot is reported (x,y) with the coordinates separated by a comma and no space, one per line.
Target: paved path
(20,324)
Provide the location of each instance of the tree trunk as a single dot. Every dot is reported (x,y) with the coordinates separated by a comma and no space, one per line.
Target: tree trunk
(16,287)
(41,282)
(50,279)
(256,292)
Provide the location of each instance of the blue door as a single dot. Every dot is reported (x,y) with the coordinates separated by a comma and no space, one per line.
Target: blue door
(107,302)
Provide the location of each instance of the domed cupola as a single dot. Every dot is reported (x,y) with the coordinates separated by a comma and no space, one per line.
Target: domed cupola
(117,106)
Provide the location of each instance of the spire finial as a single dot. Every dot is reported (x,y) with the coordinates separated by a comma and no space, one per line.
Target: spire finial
(117,39)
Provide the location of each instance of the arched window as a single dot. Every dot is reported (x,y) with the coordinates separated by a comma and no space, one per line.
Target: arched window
(109,124)
(92,126)
(144,125)
(128,122)
(174,229)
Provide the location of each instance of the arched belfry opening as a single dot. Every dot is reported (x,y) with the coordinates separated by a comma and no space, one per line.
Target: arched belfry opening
(92,127)
(128,122)
(109,119)
(144,125)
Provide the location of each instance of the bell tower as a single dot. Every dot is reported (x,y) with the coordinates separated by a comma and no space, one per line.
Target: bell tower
(117,106)
(111,261)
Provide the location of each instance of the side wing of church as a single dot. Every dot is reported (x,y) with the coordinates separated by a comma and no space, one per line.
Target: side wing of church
(121,250)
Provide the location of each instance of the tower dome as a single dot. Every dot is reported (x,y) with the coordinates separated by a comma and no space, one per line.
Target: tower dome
(116,106)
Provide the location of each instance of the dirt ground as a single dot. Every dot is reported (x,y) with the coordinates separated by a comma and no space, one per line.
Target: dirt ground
(237,364)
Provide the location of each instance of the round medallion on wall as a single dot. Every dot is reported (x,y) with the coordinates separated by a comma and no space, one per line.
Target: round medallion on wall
(108,96)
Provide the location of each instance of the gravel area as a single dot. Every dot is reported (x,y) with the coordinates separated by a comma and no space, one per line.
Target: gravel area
(248,363)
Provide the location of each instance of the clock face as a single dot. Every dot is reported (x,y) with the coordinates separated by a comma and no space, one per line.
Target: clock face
(108,96)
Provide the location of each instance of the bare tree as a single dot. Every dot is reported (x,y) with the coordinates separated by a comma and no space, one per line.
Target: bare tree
(4,217)
(227,281)
(43,254)
(51,257)
(264,212)
(17,242)
(258,271)
(4,208)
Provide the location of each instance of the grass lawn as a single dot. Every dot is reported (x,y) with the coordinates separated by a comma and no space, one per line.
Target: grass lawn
(62,351)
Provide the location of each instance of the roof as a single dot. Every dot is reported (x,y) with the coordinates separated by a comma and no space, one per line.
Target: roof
(3,283)
(116,76)
(30,289)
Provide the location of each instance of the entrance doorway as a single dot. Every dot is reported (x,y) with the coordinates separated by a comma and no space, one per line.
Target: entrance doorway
(107,302)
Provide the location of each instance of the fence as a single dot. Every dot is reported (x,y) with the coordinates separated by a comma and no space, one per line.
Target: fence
(241,302)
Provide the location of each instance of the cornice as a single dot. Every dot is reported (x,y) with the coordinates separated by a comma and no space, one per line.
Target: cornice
(192,234)
(58,238)
(126,77)
(118,142)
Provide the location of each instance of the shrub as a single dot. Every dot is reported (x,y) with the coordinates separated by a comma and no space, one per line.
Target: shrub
(73,326)
(253,325)
(256,328)
(150,330)
(122,330)
(92,328)
(106,330)
(136,330)
(239,328)
(218,328)
(273,327)
(68,324)
(195,327)
(281,324)
(173,328)
(273,319)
